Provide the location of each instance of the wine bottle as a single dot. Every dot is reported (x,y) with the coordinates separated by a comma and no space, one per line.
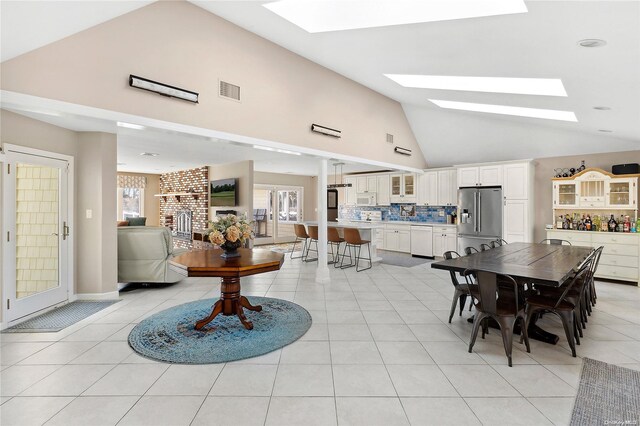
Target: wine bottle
(626,227)
(613,225)
(587,223)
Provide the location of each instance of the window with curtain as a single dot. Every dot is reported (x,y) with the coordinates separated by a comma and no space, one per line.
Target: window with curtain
(130,197)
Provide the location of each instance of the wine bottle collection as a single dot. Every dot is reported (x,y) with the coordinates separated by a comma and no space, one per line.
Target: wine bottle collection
(585,222)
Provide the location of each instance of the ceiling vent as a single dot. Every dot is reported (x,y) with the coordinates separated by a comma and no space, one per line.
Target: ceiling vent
(389,138)
(229,91)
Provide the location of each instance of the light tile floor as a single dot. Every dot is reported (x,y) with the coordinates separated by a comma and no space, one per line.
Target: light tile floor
(379,352)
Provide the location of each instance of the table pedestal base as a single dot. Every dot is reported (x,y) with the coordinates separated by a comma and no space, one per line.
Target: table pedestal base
(230,303)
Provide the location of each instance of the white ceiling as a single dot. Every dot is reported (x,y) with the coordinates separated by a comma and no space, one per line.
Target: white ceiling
(537,44)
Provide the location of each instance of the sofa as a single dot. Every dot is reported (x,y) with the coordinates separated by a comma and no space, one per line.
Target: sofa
(144,253)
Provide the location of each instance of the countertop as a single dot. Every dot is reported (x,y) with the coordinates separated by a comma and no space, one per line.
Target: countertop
(399,222)
(355,224)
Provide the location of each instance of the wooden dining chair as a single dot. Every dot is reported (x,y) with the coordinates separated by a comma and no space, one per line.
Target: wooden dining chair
(556,242)
(497,301)
(334,240)
(313,238)
(461,291)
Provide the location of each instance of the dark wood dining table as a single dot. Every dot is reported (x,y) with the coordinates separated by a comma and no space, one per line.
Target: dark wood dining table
(542,264)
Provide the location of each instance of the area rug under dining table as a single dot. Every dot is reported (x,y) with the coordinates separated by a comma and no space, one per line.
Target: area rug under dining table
(170,336)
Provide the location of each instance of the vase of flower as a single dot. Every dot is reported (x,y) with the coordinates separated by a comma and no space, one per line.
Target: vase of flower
(230,233)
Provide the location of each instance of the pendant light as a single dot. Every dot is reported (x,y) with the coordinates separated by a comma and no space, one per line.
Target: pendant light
(335,175)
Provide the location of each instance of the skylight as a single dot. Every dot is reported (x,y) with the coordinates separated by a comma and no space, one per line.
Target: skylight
(316,16)
(549,114)
(521,86)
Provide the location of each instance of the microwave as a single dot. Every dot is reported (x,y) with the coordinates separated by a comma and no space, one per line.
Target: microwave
(366,199)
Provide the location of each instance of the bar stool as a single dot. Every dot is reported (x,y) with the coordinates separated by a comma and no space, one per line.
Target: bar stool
(334,239)
(353,240)
(301,235)
(313,238)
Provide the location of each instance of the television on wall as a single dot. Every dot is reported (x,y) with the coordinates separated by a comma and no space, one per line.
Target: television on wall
(223,193)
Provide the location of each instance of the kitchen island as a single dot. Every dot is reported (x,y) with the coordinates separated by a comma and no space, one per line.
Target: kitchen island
(368,231)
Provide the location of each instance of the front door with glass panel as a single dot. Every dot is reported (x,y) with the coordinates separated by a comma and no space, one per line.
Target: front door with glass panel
(36,234)
(276,209)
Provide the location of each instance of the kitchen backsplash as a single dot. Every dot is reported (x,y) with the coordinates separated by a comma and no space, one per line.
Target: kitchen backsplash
(392,213)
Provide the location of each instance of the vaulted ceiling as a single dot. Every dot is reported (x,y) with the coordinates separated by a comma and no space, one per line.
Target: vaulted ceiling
(541,43)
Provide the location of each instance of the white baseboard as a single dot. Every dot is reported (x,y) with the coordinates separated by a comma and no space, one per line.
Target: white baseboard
(112,295)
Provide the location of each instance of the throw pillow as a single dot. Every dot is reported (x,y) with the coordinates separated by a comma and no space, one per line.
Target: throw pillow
(137,221)
(123,223)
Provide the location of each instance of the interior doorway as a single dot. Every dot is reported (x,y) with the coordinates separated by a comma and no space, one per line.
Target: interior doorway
(38,251)
(276,209)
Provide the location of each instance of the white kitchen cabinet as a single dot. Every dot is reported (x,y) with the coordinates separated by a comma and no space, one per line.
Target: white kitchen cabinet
(516,181)
(480,176)
(383,190)
(621,193)
(422,241)
(516,221)
(444,239)
(566,194)
(403,188)
(397,238)
(428,189)
(350,192)
(366,184)
(447,188)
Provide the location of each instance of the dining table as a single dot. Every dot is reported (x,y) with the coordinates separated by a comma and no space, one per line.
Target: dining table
(528,263)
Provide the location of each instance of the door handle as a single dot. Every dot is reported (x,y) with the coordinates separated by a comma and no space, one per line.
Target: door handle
(479,209)
(65,230)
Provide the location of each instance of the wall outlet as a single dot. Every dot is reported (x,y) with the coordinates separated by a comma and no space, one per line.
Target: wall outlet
(89,213)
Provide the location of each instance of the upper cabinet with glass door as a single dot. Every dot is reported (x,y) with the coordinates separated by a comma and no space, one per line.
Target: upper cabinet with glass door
(596,189)
(403,188)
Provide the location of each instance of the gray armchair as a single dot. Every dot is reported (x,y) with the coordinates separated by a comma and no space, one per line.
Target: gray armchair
(144,253)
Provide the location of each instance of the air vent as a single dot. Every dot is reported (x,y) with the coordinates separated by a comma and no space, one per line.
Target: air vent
(229,91)
(389,138)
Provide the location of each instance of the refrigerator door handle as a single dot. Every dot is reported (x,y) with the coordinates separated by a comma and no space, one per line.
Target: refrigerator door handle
(479,210)
(475,211)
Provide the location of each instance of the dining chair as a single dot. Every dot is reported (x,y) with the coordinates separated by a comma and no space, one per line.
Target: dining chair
(497,301)
(484,247)
(555,241)
(470,250)
(301,235)
(334,240)
(461,291)
(354,241)
(494,244)
(562,303)
(501,242)
(313,238)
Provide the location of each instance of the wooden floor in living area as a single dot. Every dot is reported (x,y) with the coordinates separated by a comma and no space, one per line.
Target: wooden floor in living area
(380,351)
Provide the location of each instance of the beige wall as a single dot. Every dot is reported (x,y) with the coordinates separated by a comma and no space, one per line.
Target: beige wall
(151,202)
(544,172)
(243,170)
(308,183)
(182,45)
(97,236)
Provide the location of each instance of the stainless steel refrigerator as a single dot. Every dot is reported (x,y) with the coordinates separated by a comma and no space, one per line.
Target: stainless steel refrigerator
(479,216)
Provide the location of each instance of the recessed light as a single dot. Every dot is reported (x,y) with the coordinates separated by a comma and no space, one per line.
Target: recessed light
(130,125)
(602,108)
(549,114)
(592,42)
(149,154)
(605,130)
(521,86)
(334,15)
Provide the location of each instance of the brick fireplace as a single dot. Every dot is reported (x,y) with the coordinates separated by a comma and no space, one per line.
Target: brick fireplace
(184,204)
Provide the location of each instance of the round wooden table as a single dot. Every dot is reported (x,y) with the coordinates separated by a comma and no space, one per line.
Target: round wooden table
(208,263)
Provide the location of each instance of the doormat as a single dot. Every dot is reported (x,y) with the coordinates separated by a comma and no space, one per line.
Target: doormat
(401,259)
(607,394)
(61,317)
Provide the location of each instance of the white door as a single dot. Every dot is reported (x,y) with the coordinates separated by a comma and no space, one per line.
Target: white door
(404,241)
(350,192)
(37,244)
(361,184)
(515,221)
(428,189)
(438,243)
(490,175)
(372,184)
(383,190)
(450,241)
(516,181)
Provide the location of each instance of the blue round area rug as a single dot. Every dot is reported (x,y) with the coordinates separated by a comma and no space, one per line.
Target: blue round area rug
(170,336)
